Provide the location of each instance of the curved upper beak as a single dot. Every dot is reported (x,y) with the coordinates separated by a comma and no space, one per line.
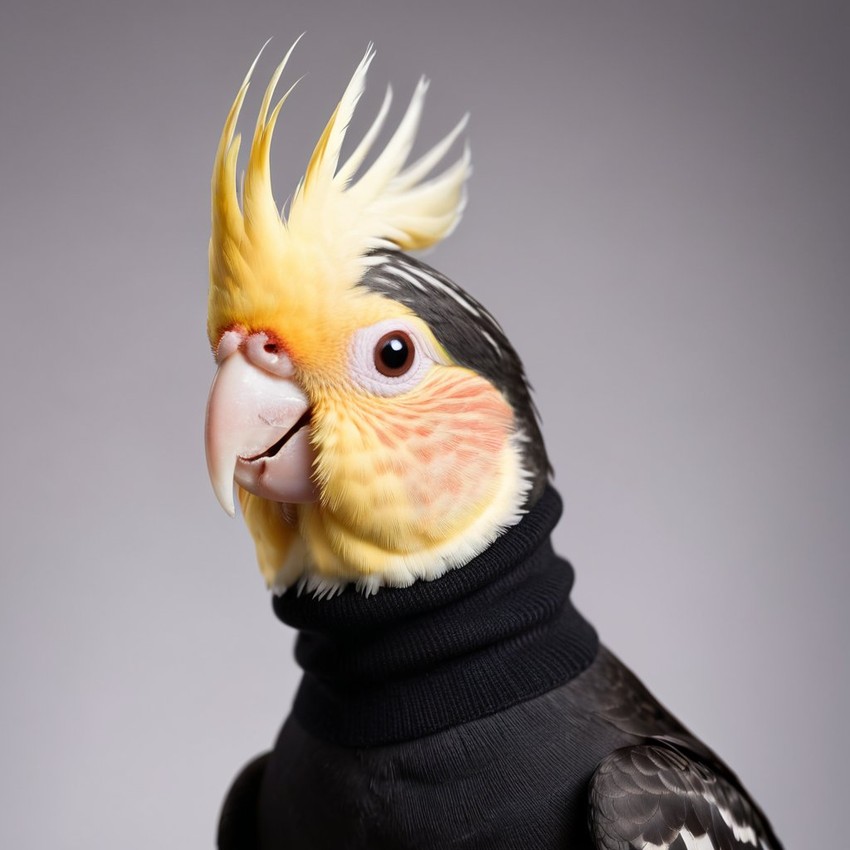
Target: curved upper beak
(257,434)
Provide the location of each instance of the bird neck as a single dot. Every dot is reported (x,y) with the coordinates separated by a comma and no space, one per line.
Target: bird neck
(407,662)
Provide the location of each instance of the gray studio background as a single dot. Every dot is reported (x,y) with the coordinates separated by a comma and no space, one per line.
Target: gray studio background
(658,215)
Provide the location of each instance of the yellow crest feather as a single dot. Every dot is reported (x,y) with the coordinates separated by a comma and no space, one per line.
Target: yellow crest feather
(257,255)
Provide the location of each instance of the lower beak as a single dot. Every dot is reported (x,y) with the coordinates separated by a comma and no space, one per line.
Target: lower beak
(257,434)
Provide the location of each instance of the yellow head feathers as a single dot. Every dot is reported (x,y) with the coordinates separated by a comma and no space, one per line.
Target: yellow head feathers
(260,259)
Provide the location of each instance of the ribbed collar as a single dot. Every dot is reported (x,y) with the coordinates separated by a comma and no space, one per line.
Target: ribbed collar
(407,662)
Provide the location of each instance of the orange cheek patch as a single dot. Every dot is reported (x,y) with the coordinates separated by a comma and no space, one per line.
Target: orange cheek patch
(382,434)
(455,448)
(421,465)
(426,453)
(453,484)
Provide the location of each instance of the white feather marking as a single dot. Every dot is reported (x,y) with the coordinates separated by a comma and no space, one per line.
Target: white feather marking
(491,340)
(743,833)
(453,290)
(436,283)
(373,261)
(394,282)
(691,841)
(412,279)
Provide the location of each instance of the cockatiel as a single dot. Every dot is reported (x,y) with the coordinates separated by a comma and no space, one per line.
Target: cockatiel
(380,431)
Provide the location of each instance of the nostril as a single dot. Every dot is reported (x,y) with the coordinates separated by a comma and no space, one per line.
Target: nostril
(268,353)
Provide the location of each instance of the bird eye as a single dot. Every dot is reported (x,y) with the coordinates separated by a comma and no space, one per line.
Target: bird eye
(394,354)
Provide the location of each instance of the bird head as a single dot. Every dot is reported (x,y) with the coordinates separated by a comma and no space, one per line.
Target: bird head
(373,416)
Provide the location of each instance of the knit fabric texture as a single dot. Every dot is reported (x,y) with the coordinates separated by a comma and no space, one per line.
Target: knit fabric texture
(408,662)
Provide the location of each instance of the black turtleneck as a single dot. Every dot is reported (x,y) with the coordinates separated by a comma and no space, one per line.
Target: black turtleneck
(472,712)
(408,662)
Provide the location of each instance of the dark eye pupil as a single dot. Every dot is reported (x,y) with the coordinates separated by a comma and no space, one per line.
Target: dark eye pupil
(394,354)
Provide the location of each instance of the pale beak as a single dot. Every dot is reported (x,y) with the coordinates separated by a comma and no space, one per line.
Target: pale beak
(258,434)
